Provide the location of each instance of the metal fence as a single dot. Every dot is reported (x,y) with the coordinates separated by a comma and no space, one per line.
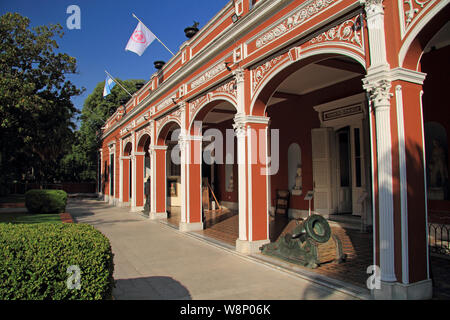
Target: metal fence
(438,238)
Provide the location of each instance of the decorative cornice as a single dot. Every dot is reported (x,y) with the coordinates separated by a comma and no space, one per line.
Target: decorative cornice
(292,21)
(379,92)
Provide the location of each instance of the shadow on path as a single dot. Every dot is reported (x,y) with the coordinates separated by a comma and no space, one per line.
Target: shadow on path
(150,288)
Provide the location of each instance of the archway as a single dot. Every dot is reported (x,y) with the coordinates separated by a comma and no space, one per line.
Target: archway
(141,170)
(318,104)
(168,193)
(127,175)
(213,123)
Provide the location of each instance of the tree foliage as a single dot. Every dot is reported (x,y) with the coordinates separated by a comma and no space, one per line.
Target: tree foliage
(81,163)
(36,113)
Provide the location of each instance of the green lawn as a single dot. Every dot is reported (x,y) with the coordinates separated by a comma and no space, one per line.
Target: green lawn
(29,218)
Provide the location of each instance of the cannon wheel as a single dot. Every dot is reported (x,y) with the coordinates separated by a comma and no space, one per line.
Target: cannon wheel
(317,228)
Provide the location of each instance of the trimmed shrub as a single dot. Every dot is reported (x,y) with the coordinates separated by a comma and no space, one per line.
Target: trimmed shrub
(46,201)
(34,262)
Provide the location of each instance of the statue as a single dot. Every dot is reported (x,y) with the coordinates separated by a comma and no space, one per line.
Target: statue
(230,182)
(438,166)
(438,172)
(297,190)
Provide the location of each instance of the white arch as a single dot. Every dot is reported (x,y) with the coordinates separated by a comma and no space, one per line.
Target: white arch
(417,28)
(170,120)
(217,98)
(311,53)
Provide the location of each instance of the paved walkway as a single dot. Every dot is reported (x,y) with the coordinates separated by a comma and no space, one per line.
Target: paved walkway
(156,261)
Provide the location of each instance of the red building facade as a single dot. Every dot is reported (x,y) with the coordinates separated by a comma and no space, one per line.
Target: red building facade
(352,90)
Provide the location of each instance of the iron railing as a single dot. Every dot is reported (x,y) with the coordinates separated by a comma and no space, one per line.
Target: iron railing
(439,238)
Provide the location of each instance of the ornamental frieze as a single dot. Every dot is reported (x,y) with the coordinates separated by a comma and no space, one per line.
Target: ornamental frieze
(261,72)
(175,115)
(142,132)
(410,10)
(208,75)
(308,10)
(227,89)
(349,32)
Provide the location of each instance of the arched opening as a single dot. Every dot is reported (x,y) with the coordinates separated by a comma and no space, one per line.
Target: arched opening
(127,175)
(319,108)
(219,170)
(434,62)
(428,53)
(142,171)
(168,137)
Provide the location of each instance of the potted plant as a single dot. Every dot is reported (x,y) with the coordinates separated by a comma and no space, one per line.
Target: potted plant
(159,64)
(192,30)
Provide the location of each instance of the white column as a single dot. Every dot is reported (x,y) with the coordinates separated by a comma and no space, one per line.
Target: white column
(241,133)
(377,83)
(183,143)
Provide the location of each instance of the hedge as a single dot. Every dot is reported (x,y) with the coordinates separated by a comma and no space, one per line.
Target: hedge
(34,262)
(45,201)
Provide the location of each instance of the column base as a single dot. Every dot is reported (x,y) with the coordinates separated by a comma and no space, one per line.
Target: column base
(421,290)
(186,227)
(158,215)
(136,209)
(249,247)
(123,204)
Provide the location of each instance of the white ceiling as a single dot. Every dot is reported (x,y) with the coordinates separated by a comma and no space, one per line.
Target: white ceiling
(311,78)
(440,39)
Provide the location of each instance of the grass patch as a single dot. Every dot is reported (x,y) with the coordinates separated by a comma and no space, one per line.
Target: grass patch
(27,218)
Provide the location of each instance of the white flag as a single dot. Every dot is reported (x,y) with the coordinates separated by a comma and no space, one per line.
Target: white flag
(140,39)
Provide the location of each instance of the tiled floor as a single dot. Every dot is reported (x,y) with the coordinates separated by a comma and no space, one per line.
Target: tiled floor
(224,227)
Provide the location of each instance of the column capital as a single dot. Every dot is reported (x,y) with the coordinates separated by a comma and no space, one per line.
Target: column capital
(379,91)
(242,118)
(156,147)
(239,75)
(372,7)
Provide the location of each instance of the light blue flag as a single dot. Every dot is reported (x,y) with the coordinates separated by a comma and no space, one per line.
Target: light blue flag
(109,84)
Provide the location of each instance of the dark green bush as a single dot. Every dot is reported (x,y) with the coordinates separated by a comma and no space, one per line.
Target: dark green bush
(34,259)
(46,201)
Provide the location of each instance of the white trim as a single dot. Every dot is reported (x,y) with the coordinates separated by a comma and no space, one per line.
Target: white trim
(374,224)
(425,184)
(417,28)
(281,67)
(249,181)
(403,184)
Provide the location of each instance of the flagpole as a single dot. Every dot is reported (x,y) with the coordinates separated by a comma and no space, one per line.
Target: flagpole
(153,34)
(114,79)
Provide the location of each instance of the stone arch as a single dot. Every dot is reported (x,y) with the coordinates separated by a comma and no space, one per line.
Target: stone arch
(420,35)
(290,64)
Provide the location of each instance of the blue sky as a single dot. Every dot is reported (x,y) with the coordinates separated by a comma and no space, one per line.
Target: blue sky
(106,27)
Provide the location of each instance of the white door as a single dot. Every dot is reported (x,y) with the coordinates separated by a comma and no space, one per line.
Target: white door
(321,160)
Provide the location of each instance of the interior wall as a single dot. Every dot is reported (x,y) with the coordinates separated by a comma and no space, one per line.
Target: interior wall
(435,106)
(295,118)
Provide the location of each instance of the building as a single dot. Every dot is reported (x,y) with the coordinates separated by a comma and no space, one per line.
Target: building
(352,91)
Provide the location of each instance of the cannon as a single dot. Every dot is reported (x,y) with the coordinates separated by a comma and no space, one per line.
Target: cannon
(301,246)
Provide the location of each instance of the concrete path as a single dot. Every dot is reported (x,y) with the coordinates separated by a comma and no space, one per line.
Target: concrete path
(155,261)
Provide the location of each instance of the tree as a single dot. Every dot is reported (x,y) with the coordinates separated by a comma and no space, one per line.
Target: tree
(81,163)
(36,113)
